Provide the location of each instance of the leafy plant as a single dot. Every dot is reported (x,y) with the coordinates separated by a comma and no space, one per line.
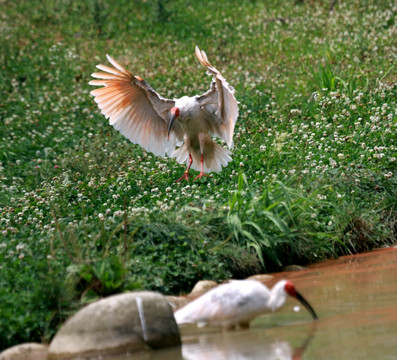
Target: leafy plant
(105,277)
(282,224)
(326,80)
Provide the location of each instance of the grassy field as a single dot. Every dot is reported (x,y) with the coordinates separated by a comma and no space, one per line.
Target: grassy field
(84,213)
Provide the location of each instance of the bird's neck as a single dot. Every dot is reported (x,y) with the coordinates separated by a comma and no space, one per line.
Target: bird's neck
(277,298)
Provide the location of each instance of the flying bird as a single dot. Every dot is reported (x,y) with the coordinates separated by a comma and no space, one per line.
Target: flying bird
(181,128)
(237,303)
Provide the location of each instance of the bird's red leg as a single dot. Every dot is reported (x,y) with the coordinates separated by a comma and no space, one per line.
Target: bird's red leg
(199,176)
(186,174)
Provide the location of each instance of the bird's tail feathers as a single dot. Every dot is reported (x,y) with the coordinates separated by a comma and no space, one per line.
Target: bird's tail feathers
(215,156)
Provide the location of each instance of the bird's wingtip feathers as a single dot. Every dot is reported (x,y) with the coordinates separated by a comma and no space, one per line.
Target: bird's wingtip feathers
(117,65)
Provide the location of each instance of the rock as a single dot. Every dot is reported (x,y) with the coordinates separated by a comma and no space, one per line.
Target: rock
(28,351)
(116,325)
(199,289)
(202,287)
(293,268)
(261,277)
(177,302)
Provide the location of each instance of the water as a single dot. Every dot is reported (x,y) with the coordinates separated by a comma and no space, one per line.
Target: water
(355,298)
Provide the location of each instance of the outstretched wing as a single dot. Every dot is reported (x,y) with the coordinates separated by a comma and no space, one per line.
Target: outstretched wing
(219,101)
(135,109)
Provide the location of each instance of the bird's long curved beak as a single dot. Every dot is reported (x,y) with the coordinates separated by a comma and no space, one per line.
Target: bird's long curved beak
(173,117)
(306,304)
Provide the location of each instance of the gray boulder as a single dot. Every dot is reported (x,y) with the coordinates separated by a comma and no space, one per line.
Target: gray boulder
(116,325)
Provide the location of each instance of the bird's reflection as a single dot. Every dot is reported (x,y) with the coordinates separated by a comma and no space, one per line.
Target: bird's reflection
(244,345)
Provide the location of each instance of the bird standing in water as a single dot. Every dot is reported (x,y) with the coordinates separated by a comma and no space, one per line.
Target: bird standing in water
(237,303)
(160,125)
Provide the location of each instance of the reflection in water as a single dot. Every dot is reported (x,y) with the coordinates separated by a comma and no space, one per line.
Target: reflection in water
(245,345)
(279,350)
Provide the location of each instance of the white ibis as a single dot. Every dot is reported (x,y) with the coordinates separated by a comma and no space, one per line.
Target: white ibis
(160,125)
(237,303)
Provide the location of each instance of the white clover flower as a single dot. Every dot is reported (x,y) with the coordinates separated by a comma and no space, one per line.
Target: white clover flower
(295,112)
(118,213)
(20,247)
(101,216)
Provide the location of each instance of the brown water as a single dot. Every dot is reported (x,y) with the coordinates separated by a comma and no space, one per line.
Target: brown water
(355,298)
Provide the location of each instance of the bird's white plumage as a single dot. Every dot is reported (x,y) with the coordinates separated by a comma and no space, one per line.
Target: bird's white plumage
(231,304)
(143,116)
(135,109)
(221,99)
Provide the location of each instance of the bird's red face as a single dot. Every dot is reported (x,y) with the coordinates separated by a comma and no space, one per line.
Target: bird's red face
(290,289)
(175,112)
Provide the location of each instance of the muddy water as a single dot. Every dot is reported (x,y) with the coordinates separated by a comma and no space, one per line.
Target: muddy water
(355,298)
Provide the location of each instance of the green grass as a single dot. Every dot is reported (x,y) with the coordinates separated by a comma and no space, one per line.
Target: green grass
(84,213)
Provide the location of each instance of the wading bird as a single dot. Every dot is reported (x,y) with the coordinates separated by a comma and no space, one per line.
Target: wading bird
(237,303)
(160,125)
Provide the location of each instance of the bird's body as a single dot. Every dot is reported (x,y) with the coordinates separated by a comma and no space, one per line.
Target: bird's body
(160,125)
(237,303)
(197,126)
